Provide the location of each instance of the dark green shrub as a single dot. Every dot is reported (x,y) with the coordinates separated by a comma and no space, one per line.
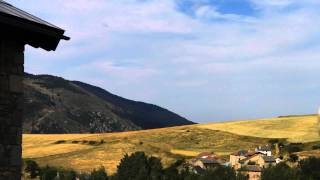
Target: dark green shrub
(219,173)
(273,141)
(32,168)
(99,174)
(310,168)
(280,172)
(93,143)
(315,147)
(293,158)
(294,147)
(139,167)
(67,174)
(60,142)
(48,173)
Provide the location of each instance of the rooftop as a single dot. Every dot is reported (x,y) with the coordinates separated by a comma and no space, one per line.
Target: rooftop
(264,148)
(251,168)
(206,155)
(269,159)
(241,153)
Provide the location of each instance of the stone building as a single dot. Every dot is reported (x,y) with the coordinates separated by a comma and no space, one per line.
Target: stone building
(252,172)
(17,28)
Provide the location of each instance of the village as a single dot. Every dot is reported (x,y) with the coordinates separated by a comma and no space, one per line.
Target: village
(248,162)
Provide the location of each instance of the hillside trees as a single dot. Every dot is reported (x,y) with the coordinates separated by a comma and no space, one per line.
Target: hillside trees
(307,169)
(139,167)
(281,172)
(310,168)
(99,174)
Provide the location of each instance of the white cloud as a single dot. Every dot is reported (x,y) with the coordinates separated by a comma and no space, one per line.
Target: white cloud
(221,58)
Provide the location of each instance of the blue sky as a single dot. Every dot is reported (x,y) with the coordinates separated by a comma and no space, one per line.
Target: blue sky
(208,60)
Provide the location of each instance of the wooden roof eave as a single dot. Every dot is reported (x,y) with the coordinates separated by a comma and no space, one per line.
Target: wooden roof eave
(44,36)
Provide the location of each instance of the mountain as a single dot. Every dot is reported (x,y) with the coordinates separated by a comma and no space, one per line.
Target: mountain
(53,105)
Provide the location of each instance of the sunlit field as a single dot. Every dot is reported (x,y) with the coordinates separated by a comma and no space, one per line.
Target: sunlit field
(170,144)
(294,128)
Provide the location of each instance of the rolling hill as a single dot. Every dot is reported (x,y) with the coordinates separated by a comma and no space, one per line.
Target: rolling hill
(294,128)
(54,105)
(83,152)
(170,144)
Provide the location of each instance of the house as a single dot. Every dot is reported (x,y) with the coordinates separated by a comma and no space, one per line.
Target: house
(266,150)
(17,28)
(238,156)
(252,172)
(258,159)
(208,160)
(255,159)
(268,161)
(206,163)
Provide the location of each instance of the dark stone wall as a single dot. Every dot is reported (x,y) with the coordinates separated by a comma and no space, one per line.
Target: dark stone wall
(11,91)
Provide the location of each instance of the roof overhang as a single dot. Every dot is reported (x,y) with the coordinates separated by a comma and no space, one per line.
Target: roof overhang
(38,34)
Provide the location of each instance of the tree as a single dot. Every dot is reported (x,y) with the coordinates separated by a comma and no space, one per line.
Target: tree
(48,173)
(219,173)
(32,168)
(280,171)
(294,147)
(139,167)
(177,171)
(293,158)
(310,168)
(274,141)
(67,174)
(99,174)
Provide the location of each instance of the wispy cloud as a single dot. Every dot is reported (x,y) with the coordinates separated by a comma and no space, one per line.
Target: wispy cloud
(260,55)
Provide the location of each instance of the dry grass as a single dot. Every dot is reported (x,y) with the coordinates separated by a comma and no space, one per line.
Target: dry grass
(306,154)
(185,152)
(296,129)
(169,144)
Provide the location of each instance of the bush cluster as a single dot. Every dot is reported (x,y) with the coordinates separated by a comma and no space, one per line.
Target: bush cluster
(91,142)
(307,169)
(53,173)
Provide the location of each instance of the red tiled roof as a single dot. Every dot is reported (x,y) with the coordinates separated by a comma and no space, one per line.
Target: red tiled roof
(210,157)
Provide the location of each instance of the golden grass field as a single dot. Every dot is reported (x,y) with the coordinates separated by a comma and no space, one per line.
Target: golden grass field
(169,144)
(295,128)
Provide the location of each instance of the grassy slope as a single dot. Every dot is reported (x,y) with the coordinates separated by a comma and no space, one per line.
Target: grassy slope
(295,128)
(168,143)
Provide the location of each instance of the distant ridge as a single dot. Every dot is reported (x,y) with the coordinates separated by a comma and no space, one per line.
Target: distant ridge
(54,105)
